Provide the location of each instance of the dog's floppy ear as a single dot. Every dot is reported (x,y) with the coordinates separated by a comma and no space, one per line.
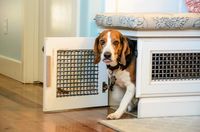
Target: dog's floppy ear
(97,55)
(125,50)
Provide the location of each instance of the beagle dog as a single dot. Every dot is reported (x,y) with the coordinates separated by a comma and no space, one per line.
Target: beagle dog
(118,53)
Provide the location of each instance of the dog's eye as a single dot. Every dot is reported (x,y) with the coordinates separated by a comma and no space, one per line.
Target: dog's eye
(102,42)
(115,43)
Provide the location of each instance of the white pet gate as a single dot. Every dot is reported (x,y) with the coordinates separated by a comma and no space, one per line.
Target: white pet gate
(71,80)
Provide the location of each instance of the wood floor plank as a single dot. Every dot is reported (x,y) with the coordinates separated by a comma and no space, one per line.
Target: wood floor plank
(21,111)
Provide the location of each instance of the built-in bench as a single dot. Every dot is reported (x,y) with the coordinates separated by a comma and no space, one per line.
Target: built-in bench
(168,62)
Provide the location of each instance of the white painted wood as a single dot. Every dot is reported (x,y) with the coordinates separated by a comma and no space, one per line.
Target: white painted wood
(41,36)
(160,33)
(169,106)
(148,6)
(50,101)
(164,34)
(77,25)
(165,88)
(11,68)
(145,6)
(139,71)
(111,5)
(30,41)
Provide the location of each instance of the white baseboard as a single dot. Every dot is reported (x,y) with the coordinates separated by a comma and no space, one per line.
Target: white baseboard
(11,68)
(169,106)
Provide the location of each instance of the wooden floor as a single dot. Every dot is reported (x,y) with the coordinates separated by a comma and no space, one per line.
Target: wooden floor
(21,111)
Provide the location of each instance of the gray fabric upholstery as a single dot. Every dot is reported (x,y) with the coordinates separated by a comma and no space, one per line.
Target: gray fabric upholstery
(149,21)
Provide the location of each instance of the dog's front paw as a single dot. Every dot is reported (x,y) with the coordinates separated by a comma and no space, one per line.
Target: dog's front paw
(114,115)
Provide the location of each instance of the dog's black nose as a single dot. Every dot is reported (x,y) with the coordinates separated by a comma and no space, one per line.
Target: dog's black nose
(107,55)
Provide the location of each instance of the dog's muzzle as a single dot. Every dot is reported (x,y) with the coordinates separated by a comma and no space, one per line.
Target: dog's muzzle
(107,57)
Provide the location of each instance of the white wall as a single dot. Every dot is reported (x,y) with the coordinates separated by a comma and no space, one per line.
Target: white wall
(145,6)
(11,38)
(11,28)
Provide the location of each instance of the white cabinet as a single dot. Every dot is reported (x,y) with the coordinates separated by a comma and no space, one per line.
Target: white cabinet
(168,76)
(168,67)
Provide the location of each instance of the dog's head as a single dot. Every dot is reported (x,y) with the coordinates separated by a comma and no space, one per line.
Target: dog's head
(111,47)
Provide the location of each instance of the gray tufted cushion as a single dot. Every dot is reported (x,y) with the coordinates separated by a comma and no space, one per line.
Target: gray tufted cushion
(149,21)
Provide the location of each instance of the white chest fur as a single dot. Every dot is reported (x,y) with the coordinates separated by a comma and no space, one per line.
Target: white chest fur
(122,77)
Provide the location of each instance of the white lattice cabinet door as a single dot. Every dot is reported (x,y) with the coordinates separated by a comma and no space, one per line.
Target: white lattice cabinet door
(71,80)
